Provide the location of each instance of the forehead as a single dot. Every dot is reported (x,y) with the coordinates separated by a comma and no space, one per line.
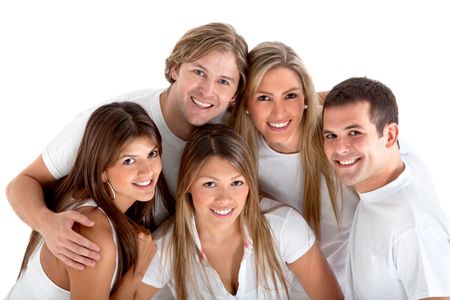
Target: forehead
(217,165)
(343,116)
(219,61)
(135,143)
(281,76)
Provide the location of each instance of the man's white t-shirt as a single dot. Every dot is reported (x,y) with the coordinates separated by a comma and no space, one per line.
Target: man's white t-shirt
(400,240)
(292,236)
(59,156)
(281,176)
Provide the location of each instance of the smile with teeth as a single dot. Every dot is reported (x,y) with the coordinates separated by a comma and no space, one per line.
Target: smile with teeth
(278,124)
(201,104)
(346,162)
(222,212)
(143,183)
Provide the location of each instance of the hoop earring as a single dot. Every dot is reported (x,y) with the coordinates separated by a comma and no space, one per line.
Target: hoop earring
(112,190)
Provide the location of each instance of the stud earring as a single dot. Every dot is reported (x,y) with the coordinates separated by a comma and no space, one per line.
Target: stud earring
(247,112)
(306,106)
(112,190)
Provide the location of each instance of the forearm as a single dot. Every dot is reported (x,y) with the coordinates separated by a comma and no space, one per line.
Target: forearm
(26,197)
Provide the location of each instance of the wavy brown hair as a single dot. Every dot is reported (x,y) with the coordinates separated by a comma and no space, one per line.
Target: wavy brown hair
(109,127)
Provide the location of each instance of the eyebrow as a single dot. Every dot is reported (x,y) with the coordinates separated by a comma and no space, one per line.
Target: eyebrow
(285,92)
(215,178)
(131,155)
(349,127)
(206,69)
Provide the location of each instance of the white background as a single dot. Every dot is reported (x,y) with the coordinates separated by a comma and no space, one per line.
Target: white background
(58,58)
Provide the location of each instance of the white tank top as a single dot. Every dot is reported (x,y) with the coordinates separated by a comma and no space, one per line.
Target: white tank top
(33,283)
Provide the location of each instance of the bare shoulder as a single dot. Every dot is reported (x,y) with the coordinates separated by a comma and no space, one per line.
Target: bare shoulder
(101,233)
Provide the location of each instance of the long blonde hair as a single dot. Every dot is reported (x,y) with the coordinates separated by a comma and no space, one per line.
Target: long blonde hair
(267,56)
(224,142)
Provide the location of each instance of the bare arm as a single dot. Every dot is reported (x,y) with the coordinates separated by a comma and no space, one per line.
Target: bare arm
(26,197)
(316,276)
(95,282)
(131,281)
(145,292)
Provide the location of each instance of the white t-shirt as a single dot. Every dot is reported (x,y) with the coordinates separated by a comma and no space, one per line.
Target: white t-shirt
(292,236)
(281,176)
(59,156)
(33,283)
(400,240)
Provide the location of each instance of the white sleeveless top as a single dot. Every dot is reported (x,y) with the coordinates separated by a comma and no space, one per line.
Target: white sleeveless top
(33,283)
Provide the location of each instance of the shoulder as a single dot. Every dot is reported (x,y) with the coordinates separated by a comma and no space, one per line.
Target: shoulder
(101,233)
(283,219)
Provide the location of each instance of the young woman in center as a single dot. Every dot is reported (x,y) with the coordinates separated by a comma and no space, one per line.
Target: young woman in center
(225,241)
(278,115)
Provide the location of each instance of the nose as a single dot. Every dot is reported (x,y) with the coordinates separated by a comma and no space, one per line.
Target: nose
(342,146)
(277,107)
(207,87)
(224,195)
(146,168)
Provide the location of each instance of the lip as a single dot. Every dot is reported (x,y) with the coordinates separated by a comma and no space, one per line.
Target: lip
(346,163)
(222,213)
(200,104)
(279,125)
(144,184)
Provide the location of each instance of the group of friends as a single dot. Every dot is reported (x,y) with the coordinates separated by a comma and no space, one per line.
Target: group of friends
(238,181)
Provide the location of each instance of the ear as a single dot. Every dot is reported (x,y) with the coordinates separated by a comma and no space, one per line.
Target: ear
(391,132)
(174,72)
(104,177)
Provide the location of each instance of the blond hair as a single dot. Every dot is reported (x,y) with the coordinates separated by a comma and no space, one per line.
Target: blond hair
(222,141)
(198,41)
(267,56)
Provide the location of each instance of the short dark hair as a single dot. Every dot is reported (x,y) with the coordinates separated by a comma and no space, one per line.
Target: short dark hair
(383,106)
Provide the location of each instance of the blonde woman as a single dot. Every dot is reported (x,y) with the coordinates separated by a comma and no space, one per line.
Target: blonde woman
(278,114)
(221,245)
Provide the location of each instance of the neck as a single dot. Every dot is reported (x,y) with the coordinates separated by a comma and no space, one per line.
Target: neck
(393,167)
(173,116)
(210,234)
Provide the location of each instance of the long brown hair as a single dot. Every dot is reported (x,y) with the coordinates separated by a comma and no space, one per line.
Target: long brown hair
(109,127)
(224,142)
(262,58)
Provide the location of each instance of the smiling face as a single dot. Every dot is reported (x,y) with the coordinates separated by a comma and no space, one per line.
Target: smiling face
(219,192)
(354,147)
(134,175)
(205,87)
(277,109)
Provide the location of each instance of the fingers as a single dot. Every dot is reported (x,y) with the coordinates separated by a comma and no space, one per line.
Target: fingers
(80,218)
(69,246)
